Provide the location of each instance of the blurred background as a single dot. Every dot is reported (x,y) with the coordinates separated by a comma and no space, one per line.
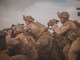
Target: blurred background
(12,11)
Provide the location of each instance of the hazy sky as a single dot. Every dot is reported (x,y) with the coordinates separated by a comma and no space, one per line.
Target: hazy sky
(11,11)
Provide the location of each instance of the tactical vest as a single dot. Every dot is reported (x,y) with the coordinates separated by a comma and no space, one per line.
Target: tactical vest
(71,35)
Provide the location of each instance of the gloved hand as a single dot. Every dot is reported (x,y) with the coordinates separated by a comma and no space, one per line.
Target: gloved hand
(52,21)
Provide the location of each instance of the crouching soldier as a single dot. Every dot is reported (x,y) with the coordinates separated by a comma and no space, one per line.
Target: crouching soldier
(42,37)
(71,33)
(58,41)
(25,49)
(58,37)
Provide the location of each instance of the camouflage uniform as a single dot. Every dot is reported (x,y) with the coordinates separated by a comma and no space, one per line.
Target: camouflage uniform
(25,47)
(43,38)
(75,47)
(67,30)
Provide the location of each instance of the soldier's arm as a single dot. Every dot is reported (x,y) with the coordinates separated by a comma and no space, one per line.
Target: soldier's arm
(62,29)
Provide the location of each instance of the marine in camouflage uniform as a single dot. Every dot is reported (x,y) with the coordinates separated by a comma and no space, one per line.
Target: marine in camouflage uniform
(74,50)
(58,37)
(42,37)
(68,29)
(25,48)
(59,40)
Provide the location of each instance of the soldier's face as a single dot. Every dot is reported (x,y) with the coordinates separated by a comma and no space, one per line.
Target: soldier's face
(62,20)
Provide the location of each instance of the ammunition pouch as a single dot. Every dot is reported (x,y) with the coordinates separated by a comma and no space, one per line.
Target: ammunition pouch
(73,34)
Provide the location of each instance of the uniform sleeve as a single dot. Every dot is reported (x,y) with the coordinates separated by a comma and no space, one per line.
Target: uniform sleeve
(12,41)
(62,29)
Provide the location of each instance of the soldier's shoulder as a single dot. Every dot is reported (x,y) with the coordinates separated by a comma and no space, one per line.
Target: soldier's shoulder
(67,23)
(72,22)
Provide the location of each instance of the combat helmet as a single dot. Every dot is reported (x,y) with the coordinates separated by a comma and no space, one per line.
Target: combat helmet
(52,21)
(29,18)
(63,14)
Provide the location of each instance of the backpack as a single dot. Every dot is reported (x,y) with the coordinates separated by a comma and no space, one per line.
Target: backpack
(76,23)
